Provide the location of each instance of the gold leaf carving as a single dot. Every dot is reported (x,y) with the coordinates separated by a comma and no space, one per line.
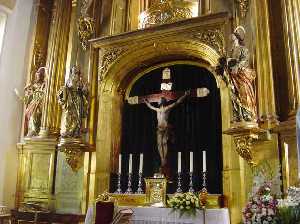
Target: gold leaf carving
(108,57)
(213,38)
(165,11)
(244,146)
(243,7)
(86,29)
(74,157)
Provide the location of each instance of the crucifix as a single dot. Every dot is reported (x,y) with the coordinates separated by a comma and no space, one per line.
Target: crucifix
(163,109)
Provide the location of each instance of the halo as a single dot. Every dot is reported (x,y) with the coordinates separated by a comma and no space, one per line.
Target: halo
(240,27)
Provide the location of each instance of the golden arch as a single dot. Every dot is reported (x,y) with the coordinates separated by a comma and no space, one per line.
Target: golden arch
(136,59)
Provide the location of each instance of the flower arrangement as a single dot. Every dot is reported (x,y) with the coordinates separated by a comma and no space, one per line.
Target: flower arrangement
(261,208)
(185,202)
(289,208)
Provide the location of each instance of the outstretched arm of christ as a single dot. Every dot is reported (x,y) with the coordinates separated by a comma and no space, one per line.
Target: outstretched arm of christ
(179,101)
(150,106)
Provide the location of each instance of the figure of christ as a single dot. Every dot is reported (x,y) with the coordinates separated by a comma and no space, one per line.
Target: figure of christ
(163,128)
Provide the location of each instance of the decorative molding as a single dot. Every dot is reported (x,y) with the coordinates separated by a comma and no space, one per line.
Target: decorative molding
(74,150)
(245,136)
(109,55)
(164,11)
(86,29)
(244,146)
(243,7)
(214,38)
(74,157)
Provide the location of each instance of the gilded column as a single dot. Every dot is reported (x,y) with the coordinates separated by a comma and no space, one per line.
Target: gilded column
(291,24)
(266,98)
(118,20)
(204,7)
(56,63)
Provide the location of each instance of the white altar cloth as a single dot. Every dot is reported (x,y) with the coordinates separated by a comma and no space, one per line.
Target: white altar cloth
(151,215)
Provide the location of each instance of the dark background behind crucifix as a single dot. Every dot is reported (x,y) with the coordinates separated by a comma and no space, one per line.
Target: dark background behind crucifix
(196,124)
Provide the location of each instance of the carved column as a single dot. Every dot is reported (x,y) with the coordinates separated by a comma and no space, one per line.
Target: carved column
(56,61)
(287,129)
(291,30)
(266,98)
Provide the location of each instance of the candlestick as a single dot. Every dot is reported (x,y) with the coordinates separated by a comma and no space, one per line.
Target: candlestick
(204,180)
(119,190)
(179,163)
(191,187)
(179,190)
(140,189)
(204,161)
(130,164)
(120,163)
(129,189)
(191,162)
(141,163)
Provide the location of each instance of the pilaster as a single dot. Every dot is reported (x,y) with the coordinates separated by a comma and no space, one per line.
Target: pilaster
(266,99)
(291,32)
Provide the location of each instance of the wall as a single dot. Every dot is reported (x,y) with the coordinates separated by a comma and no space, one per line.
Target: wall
(13,67)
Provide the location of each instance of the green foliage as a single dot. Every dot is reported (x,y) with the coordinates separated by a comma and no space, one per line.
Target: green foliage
(289,215)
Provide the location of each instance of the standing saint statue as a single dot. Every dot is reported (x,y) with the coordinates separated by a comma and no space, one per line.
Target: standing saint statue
(240,78)
(34,97)
(74,100)
(163,127)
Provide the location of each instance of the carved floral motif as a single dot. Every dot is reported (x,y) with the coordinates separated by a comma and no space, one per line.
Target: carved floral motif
(243,7)
(213,38)
(244,146)
(109,55)
(74,157)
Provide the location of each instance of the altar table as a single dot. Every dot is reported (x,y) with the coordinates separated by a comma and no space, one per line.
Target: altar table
(152,215)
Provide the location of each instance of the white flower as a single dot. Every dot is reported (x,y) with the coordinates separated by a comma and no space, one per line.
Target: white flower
(270,211)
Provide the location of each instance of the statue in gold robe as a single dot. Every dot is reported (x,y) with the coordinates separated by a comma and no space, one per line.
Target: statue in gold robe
(74,100)
(240,78)
(34,97)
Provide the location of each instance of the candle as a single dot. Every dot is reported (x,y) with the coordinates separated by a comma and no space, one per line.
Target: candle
(130,164)
(141,163)
(120,163)
(191,162)
(179,162)
(204,161)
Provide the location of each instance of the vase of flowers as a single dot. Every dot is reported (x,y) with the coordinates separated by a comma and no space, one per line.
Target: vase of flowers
(261,208)
(184,202)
